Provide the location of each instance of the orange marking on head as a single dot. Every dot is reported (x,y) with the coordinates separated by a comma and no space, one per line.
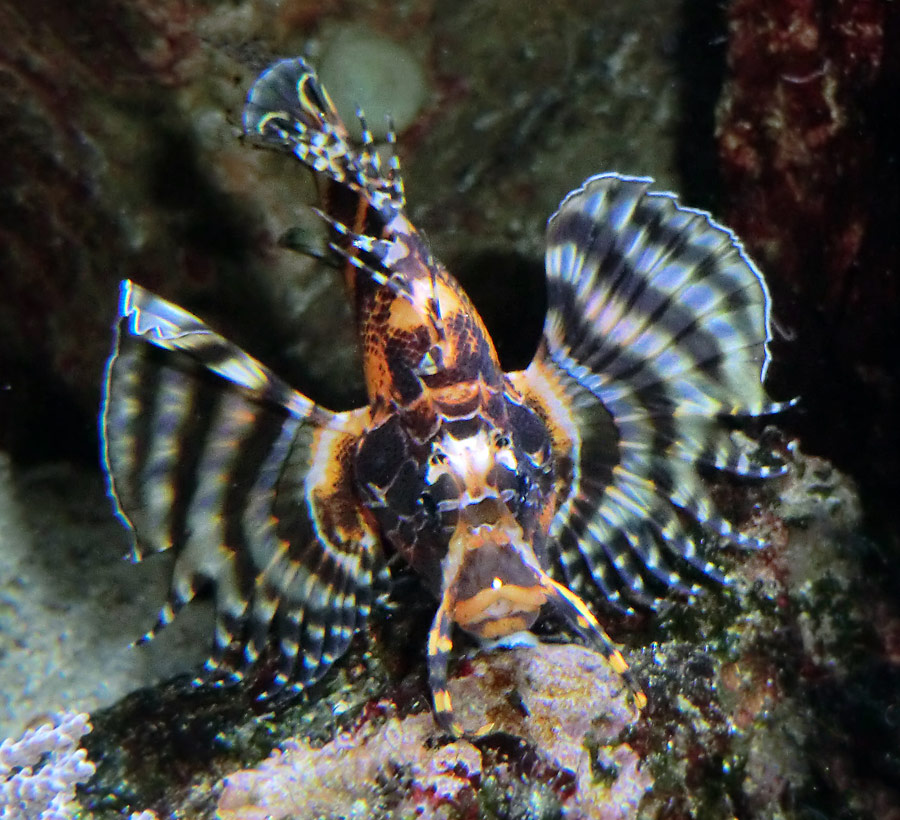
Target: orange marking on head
(377,374)
(453,395)
(502,627)
(503,600)
(407,316)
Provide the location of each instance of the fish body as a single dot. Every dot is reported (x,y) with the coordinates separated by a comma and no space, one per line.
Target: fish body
(506,492)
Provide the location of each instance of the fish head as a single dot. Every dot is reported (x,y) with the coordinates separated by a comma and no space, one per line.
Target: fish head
(469,509)
(493,493)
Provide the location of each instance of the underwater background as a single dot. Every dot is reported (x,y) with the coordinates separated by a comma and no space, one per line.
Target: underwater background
(121,156)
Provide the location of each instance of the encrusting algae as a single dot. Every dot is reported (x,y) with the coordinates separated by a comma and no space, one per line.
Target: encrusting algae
(389,767)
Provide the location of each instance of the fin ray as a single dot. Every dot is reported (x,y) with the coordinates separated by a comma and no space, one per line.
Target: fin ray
(209,454)
(288,107)
(657,329)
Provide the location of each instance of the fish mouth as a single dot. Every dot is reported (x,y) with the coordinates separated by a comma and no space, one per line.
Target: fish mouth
(496,588)
(495,585)
(500,610)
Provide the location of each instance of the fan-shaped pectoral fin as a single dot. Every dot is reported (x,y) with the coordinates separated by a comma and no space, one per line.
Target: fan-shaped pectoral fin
(657,333)
(322,566)
(575,611)
(250,483)
(439,646)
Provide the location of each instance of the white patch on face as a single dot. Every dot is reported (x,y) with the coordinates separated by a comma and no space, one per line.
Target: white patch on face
(468,462)
(507,458)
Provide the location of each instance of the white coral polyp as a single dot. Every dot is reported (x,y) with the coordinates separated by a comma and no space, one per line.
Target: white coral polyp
(39,770)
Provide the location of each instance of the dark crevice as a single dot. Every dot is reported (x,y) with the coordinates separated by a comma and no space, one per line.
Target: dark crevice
(700,64)
(510,293)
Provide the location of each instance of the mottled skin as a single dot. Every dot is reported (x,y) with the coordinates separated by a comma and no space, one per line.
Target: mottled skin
(505,492)
(456,468)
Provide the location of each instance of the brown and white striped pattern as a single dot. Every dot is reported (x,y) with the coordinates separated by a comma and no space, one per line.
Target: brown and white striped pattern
(656,332)
(288,108)
(211,455)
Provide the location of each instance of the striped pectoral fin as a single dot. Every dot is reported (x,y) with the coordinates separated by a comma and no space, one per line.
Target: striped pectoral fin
(183,410)
(178,399)
(576,612)
(600,539)
(315,559)
(439,646)
(650,299)
(657,331)
(325,566)
(209,453)
(646,292)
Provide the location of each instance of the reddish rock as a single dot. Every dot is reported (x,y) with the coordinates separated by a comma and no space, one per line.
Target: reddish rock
(808,133)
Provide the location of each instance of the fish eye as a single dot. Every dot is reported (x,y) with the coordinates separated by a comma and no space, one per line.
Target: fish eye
(437,458)
(502,442)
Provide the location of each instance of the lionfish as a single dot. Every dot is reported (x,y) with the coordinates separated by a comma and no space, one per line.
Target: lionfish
(505,492)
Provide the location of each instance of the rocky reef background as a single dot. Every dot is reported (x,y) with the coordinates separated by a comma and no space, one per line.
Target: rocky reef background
(121,156)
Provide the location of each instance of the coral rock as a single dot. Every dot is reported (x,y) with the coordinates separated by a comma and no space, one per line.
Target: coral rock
(563,704)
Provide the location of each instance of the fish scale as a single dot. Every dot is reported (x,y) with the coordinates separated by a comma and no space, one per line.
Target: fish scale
(508,493)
